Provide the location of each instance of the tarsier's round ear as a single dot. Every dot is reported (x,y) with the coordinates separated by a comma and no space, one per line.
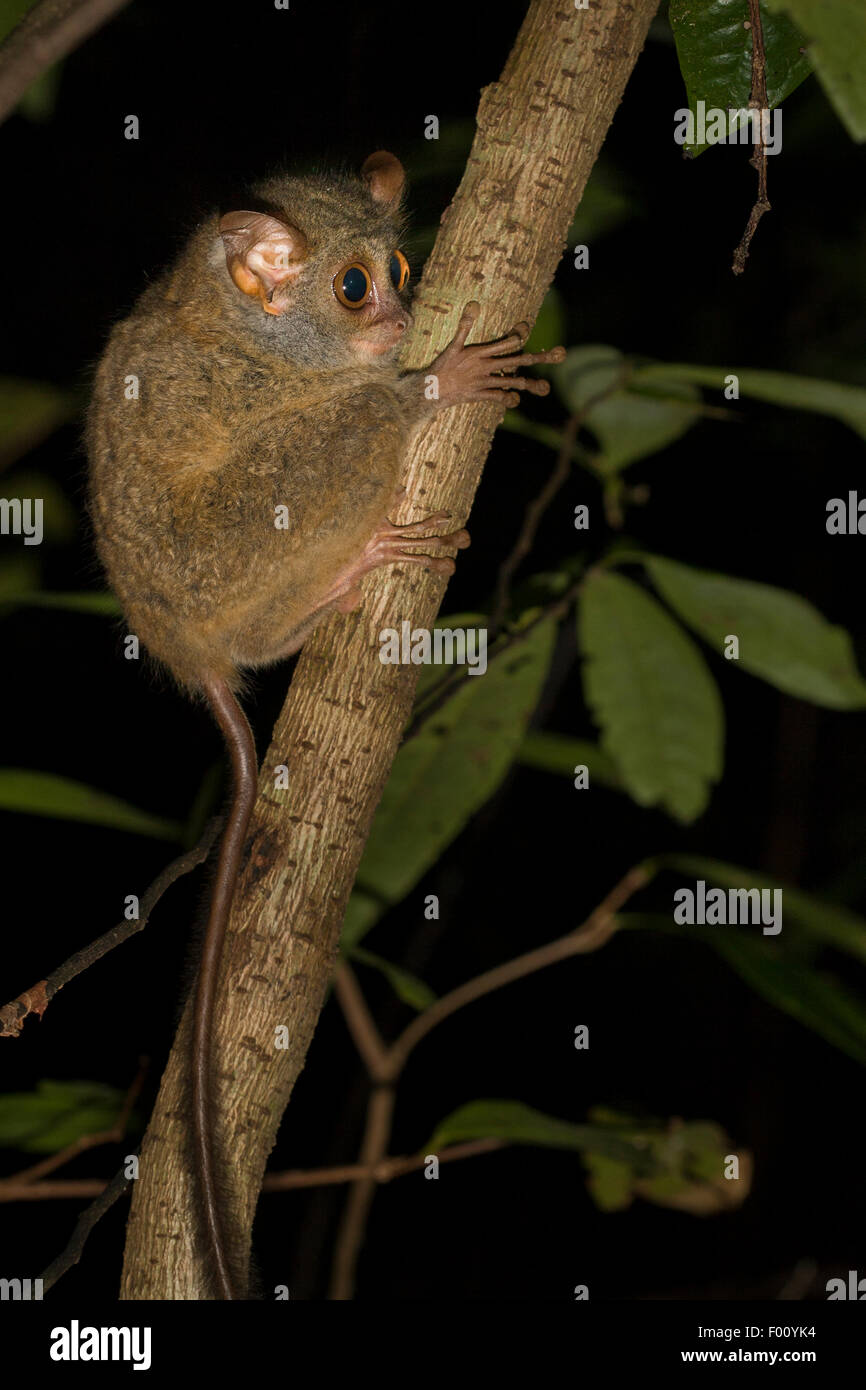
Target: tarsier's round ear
(385,176)
(262,253)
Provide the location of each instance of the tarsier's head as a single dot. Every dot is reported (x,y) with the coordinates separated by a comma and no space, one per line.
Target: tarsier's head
(323,278)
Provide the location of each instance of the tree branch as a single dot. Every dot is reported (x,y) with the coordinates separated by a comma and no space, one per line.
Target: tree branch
(592,934)
(110,1193)
(49,32)
(293,1178)
(36,999)
(532,520)
(595,932)
(757,102)
(540,128)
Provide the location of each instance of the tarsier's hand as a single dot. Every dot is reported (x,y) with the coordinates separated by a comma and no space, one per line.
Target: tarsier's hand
(484,371)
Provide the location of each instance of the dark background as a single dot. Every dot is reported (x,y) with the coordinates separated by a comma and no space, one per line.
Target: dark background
(223,94)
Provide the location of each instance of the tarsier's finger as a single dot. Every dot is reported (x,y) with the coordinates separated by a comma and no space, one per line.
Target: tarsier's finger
(438,565)
(417,528)
(529,359)
(457,540)
(533,385)
(513,340)
(467,320)
(501,397)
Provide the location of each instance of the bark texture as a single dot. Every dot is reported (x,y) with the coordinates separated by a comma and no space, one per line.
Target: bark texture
(539,132)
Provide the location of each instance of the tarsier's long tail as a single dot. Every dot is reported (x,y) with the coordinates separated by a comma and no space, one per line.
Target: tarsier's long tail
(242,752)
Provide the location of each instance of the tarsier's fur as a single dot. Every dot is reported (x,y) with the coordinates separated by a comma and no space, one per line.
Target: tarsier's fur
(238,414)
(238,393)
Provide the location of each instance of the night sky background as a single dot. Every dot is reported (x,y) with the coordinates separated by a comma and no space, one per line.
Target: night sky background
(222,94)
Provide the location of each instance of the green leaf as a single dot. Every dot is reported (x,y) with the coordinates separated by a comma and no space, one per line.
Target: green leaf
(11,14)
(30,411)
(40,99)
(549,328)
(714,48)
(628,424)
(825,922)
(205,803)
(845,403)
(43,794)
(783,639)
(19,572)
(686,1161)
(515,422)
(453,765)
(610,1182)
(517,1123)
(407,987)
(651,693)
(603,207)
(99,604)
(812,997)
(560,754)
(444,157)
(677,1164)
(431,675)
(836,30)
(56,1114)
(362,913)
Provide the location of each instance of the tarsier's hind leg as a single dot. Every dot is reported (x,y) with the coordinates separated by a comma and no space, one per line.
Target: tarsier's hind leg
(386,546)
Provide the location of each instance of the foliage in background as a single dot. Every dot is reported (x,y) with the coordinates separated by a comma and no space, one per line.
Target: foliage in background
(648,684)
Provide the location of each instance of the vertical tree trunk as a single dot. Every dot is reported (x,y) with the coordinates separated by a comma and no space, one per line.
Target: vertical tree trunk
(540,128)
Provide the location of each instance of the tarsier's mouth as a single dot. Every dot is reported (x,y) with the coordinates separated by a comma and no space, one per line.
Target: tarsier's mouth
(375,347)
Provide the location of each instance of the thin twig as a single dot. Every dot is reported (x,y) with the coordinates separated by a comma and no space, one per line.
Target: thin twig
(85,1224)
(757,103)
(36,999)
(599,926)
(441,693)
(49,1191)
(353,1224)
(365,1035)
(49,32)
(293,1178)
(595,931)
(37,1171)
(535,511)
(532,520)
(384,1171)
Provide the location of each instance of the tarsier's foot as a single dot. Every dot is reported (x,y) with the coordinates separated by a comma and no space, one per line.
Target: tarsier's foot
(387,546)
(484,371)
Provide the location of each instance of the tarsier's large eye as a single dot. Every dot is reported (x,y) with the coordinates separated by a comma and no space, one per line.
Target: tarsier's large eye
(399,271)
(352,285)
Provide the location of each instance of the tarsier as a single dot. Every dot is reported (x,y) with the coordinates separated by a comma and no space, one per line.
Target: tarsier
(245,437)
